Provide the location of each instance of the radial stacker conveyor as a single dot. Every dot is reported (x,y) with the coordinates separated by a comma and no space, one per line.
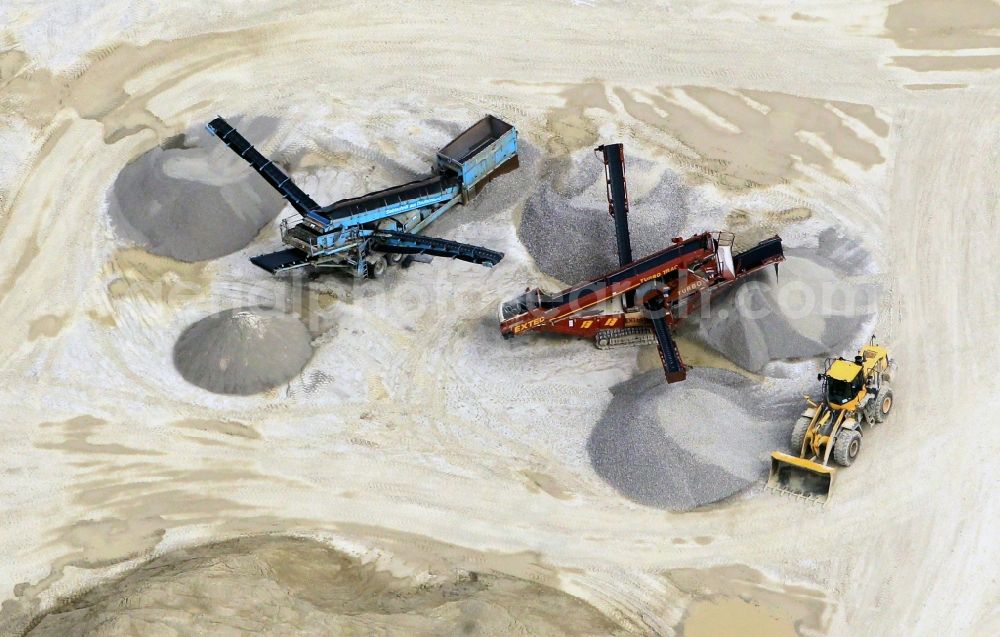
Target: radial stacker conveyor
(645,298)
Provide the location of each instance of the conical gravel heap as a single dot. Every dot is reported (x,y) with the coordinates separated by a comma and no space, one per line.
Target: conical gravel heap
(243,351)
(566,227)
(810,310)
(684,446)
(192,199)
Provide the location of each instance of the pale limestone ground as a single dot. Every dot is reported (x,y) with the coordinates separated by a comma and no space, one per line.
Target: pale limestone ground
(415,435)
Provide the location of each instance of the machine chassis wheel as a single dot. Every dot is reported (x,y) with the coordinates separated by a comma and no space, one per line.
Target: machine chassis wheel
(799,433)
(377,268)
(884,405)
(847,447)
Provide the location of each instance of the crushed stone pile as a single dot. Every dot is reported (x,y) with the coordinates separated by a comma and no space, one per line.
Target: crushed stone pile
(566,226)
(683,446)
(283,586)
(809,310)
(243,351)
(192,199)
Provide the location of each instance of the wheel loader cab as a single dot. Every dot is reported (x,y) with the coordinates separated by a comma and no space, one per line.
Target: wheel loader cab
(845,382)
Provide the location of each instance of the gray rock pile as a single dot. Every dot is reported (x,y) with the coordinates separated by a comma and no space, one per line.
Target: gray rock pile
(683,446)
(243,351)
(566,226)
(192,199)
(808,310)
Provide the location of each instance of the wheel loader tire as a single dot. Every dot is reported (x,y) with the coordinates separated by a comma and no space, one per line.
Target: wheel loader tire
(889,373)
(847,447)
(884,405)
(799,433)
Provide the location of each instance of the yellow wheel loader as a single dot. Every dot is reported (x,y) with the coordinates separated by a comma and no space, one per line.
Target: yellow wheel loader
(854,393)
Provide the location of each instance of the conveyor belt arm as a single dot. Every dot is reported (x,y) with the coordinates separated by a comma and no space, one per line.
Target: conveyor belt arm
(264,166)
(673,366)
(405,243)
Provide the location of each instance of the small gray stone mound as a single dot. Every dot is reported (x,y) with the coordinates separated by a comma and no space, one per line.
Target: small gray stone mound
(808,310)
(566,226)
(192,199)
(683,446)
(243,351)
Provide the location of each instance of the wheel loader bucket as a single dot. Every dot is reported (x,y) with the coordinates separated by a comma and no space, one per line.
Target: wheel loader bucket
(800,477)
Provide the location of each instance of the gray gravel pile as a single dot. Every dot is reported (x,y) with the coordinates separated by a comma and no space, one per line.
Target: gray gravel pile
(192,199)
(841,253)
(508,188)
(576,241)
(811,310)
(687,445)
(243,351)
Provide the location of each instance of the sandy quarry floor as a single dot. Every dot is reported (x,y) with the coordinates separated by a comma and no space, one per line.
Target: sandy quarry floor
(419,473)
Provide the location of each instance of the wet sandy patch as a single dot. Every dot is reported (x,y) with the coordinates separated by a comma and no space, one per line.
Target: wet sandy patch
(229,428)
(750,139)
(734,617)
(945,32)
(738,601)
(133,273)
(46,326)
(276,585)
(933,86)
(944,24)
